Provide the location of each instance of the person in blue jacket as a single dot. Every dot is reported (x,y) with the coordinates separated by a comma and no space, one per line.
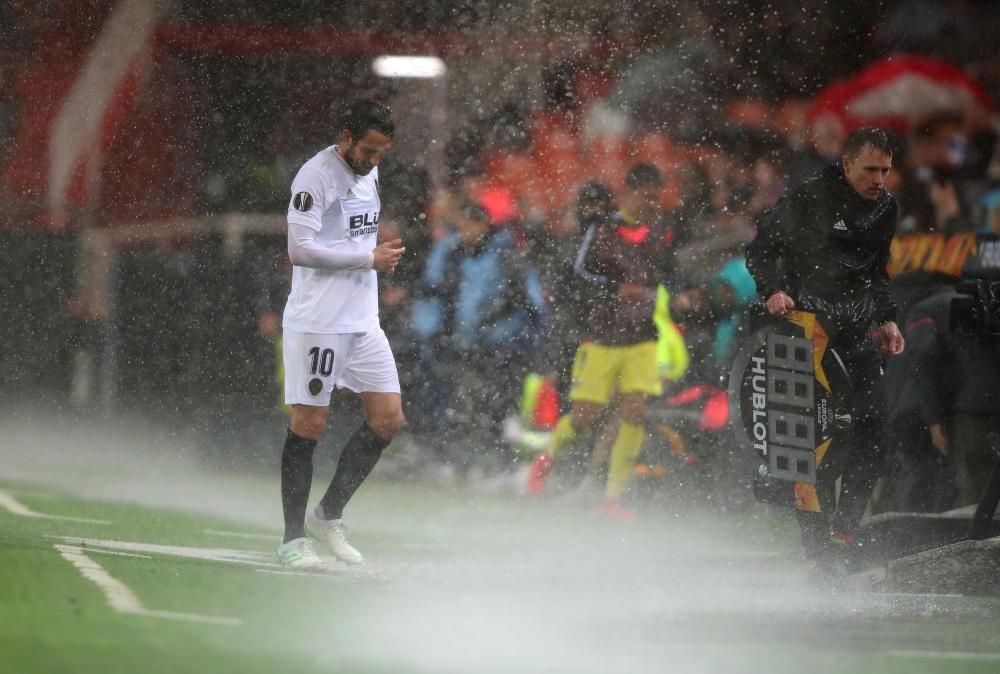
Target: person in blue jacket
(478,317)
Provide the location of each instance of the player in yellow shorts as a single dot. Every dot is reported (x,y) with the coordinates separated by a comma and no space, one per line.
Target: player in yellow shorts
(627,255)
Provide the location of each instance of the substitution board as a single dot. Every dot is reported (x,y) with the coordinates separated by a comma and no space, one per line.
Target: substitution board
(789,397)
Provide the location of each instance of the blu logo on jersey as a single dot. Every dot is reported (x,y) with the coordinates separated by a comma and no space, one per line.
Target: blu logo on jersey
(363,224)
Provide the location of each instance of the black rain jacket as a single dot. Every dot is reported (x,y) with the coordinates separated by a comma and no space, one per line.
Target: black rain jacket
(828,247)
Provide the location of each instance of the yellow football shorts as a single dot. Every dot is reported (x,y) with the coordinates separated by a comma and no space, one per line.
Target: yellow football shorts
(598,369)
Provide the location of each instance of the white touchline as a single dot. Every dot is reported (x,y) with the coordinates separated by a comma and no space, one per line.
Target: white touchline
(947,655)
(118,554)
(308,574)
(13,505)
(121,598)
(209,554)
(236,534)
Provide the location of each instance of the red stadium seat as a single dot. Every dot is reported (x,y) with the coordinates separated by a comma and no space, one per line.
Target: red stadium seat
(753,114)
(606,160)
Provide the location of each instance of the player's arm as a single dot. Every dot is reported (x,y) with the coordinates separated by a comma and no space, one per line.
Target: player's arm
(305,251)
(585,265)
(305,220)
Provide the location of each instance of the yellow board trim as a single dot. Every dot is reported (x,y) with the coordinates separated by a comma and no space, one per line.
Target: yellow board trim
(806,498)
(813,331)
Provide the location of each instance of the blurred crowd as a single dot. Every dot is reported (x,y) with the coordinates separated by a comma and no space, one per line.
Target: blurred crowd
(496,247)
(491,293)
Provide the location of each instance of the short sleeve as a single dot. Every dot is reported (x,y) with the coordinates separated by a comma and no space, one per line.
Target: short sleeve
(308,197)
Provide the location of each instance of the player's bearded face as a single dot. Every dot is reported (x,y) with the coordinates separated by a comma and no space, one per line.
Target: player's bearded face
(364,154)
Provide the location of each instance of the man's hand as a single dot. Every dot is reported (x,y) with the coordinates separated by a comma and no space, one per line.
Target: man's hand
(892,339)
(779,303)
(939,439)
(386,255)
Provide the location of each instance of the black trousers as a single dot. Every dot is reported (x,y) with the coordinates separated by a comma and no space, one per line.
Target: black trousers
(975,443)
(860,466)
(918,478)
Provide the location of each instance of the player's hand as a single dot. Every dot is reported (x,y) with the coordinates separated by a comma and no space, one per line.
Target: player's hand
(892,339)
(387,254)
(779,303)
(939,439)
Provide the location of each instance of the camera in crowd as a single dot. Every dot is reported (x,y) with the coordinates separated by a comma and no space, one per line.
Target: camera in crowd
(978,311)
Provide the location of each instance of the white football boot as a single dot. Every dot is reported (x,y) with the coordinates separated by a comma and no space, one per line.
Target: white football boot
(299,554)
(331,534)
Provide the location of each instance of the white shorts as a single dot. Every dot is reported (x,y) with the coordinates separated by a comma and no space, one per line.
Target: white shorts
(315,364)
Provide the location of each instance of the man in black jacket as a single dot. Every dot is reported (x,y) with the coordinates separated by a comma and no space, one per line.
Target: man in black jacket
(823,248)
(956,380)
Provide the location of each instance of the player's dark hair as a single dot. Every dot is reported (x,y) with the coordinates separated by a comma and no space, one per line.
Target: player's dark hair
(364,114)
(596,193)
(867,137)
(476,211)
(643,175)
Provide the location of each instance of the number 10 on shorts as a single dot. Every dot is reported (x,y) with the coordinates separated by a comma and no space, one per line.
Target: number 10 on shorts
(321,361)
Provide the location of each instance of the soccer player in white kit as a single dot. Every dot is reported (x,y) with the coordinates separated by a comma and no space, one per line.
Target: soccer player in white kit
(332,336)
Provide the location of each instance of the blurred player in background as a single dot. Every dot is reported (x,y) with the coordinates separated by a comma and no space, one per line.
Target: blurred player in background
(332,336)
(627,254)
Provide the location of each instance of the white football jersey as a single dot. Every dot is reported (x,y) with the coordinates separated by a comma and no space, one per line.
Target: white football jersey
(343,208)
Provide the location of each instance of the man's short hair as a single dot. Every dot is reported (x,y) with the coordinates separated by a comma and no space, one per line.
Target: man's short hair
(364,114)
(643,175)
(867,137)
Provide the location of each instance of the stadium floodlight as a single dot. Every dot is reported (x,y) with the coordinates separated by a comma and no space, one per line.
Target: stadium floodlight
(421,67)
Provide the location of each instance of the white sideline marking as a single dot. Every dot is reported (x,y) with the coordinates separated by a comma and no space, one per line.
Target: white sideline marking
(427,546)
(119,554)
(121,598)
(208,554)
(919,595)
(236,534)
(946,655)
(309,574)
(10,503)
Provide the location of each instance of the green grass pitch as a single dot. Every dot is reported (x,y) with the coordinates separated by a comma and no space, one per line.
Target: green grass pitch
(452,584)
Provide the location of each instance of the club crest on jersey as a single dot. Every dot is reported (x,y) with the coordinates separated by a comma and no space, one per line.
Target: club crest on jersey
(363,224)
(302,201)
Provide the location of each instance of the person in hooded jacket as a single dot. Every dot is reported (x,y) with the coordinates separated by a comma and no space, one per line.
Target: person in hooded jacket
(824,248)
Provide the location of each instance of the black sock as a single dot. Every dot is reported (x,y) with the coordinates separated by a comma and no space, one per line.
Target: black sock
(357,460)
(296,478)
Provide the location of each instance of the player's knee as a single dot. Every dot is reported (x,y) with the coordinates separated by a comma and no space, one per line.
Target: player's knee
(388,425)
(308,423)
(309,430)
(582,418)
(633,409)
(635,416)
